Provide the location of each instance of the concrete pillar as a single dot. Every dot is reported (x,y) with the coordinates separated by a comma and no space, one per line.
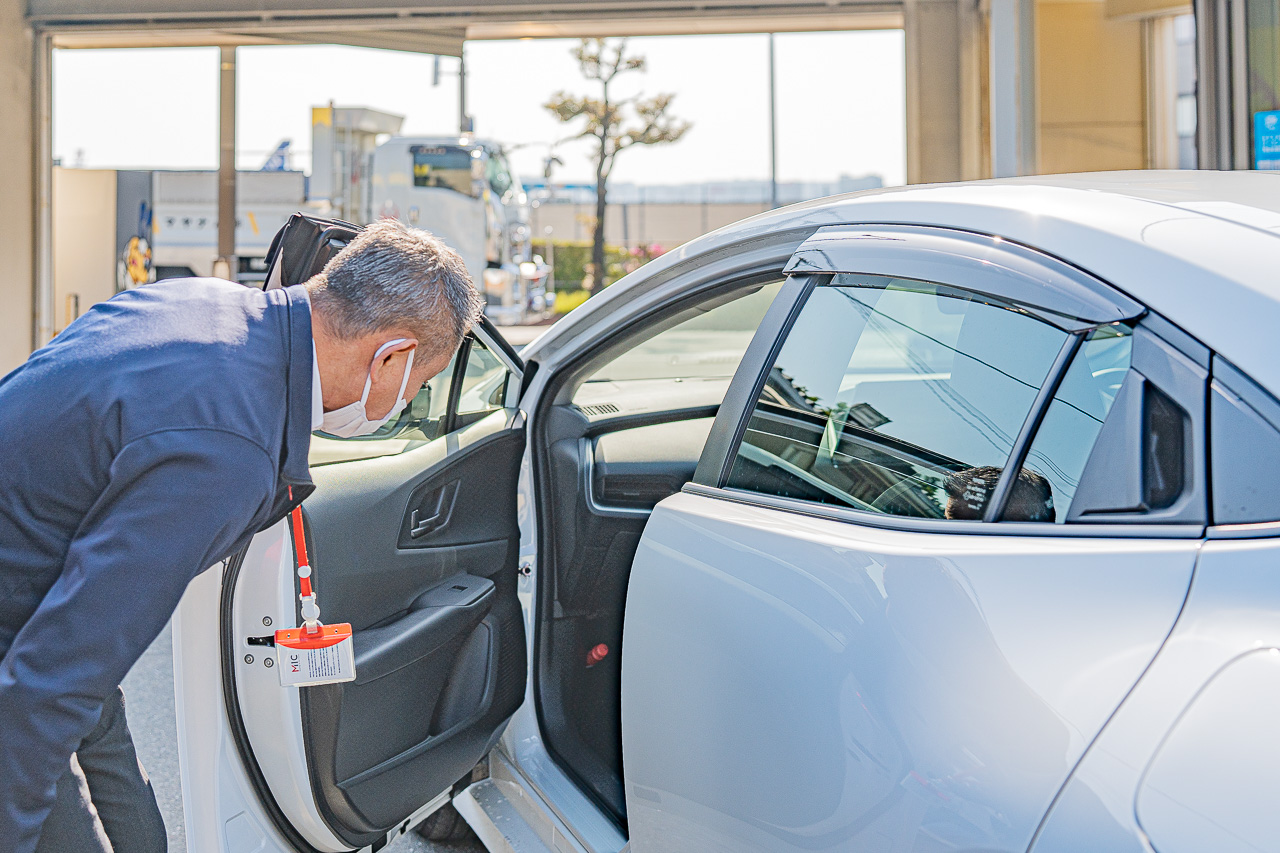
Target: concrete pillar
(945,114)
(1092,108)
(225,266)
(1014,142)
(84,215)
(17,185)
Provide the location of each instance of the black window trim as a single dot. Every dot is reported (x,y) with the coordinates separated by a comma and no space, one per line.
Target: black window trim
(739,404)
(455,386)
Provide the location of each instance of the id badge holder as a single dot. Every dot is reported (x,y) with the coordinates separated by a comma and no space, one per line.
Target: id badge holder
(313,653)
(307,659)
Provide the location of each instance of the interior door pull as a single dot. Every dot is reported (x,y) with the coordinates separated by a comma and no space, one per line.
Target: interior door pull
(434,511)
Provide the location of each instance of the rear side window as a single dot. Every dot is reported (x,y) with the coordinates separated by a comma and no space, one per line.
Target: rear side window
(1071,425)
(898,397)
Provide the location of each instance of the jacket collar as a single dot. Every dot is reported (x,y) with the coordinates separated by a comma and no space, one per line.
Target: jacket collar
(295,468)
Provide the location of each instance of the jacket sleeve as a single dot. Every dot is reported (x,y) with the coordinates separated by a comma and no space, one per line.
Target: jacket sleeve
(176,502)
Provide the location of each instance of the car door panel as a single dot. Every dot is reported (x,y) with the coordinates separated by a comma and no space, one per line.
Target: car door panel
(435,624)
(799,683)
(413,538)
(831,640)
(438,638)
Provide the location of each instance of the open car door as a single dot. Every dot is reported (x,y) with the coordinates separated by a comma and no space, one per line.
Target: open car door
(413,538)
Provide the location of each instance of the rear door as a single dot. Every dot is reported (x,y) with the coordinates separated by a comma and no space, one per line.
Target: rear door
(412,535)
(946,516)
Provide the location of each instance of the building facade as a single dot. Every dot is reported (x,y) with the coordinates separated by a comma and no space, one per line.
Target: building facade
(993,87)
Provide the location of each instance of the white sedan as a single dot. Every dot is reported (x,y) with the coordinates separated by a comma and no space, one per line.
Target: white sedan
(941,518)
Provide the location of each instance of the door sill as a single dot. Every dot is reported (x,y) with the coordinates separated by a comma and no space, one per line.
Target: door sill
(508,818)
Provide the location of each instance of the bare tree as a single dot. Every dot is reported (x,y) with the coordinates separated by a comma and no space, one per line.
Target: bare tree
(616,124)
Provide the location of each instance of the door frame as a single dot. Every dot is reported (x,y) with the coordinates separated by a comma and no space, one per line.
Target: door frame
(617,314)
(228,648)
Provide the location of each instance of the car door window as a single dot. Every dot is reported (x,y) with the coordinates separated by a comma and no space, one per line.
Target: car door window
(683,364)
(896,396)
(1071,424)
(483,380)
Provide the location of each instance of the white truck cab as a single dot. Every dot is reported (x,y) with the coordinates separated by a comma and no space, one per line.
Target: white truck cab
(463,189)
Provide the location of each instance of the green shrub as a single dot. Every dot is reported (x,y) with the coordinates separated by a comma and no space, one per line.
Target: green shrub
(573,257)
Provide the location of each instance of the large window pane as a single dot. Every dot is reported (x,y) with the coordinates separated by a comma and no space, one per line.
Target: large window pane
(683,363)
(444,166)
(886,390)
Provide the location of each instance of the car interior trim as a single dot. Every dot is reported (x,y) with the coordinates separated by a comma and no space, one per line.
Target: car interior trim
(455,386)
(1068,297)
(500,346)
(587,453)
(621,422)
(952,527)
(1022,444)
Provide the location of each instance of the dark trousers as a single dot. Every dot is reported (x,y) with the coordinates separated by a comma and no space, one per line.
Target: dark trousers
(105,803)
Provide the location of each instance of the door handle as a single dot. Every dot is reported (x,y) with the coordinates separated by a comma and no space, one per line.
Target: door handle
(434,511)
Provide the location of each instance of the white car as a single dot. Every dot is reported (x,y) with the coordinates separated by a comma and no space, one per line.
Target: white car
(942,518)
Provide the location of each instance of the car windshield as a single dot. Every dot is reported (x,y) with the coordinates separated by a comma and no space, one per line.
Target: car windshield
(443,167)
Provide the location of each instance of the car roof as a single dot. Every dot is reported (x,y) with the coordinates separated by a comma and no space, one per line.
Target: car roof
(1200,248)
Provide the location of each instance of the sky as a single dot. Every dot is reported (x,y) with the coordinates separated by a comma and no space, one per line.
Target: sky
(840,103)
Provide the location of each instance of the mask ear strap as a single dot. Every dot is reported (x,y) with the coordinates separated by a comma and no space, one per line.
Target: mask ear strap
(368,380)
(408,368)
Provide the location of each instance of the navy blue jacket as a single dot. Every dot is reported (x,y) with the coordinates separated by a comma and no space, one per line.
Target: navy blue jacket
(145,443)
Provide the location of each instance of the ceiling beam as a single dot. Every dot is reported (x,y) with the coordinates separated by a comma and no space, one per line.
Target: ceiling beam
(432,27)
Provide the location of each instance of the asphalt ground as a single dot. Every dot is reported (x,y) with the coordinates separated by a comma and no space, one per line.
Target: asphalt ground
(149,707)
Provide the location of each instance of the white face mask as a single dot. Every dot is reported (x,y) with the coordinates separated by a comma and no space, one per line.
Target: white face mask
(352,420)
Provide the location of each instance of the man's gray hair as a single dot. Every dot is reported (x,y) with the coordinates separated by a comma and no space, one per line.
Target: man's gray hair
(395,277)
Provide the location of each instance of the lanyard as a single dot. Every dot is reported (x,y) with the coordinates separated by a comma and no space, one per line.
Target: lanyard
(310,610)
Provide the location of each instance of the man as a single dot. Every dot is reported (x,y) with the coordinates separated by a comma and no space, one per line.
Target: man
(150,440)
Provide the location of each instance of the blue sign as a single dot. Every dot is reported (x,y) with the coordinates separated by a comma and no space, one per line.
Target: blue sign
(1266,139)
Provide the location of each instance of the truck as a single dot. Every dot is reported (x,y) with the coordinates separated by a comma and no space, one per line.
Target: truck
(463,190)
(184,220)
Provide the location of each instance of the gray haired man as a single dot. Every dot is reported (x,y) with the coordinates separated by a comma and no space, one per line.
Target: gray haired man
(191,403)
